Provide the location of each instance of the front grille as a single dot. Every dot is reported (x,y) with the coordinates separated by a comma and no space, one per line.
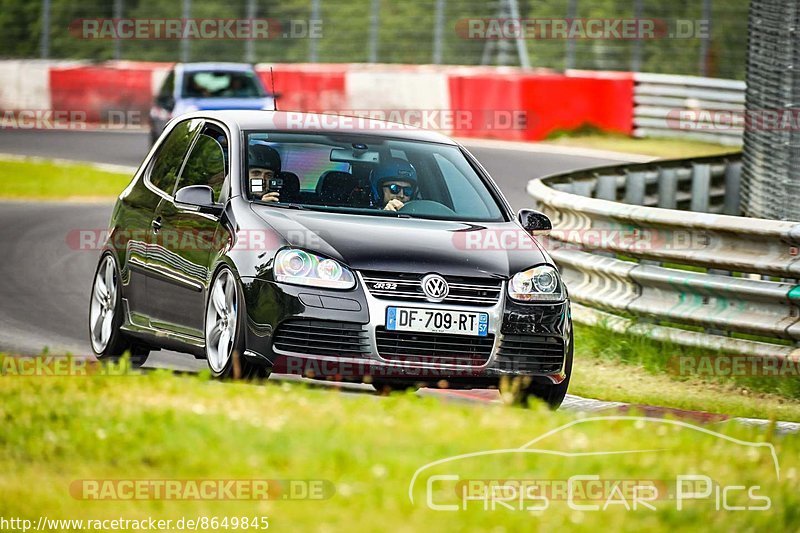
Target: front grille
(322,337)
(437,348)
(408,287)
(531,354)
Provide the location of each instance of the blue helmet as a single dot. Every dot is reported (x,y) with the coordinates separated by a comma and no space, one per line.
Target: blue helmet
(393,170)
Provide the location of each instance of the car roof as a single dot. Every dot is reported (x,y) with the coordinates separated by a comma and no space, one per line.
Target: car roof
(235,67)
(298,122)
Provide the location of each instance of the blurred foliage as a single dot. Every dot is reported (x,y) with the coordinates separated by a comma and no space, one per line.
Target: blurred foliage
(405,33)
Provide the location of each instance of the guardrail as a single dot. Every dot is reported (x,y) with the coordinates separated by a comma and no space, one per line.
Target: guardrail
(695,276)
(688,107)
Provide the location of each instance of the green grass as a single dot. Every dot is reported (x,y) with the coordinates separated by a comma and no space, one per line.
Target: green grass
(56,430)
(40,180)
(635,369)
(656,147)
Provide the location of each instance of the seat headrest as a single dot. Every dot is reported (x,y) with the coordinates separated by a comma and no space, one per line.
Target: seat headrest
(335,187)
(291,186)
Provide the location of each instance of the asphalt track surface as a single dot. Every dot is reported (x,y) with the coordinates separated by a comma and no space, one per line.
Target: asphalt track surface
(45,283)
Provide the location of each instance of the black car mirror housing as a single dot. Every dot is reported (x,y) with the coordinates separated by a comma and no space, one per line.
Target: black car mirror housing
(535,221)
(199,196)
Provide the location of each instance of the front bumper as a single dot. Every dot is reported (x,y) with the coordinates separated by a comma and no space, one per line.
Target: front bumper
(269,305)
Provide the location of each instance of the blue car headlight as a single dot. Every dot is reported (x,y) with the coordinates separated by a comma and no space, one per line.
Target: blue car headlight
(303,268)
(538,284)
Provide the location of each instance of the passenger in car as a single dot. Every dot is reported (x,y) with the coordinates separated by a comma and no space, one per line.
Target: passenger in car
(393,184)
(263,163)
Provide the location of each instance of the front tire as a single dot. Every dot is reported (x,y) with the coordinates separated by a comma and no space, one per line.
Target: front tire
(224,330)
(520,389)
(553,395)
(108,341)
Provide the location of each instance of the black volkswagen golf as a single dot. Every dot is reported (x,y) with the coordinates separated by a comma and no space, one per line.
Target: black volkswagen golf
(332,247)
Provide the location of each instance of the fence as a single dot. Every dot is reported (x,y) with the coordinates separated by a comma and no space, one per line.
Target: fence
(693,38)
(772,156)
(689,276)
(689,107)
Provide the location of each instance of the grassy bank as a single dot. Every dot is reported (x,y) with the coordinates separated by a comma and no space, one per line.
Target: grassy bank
(43,180)
(363,450)
(661,148)
(635,369)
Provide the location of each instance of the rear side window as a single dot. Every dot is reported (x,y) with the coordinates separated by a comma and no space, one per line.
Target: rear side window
(170,155)
(205,165)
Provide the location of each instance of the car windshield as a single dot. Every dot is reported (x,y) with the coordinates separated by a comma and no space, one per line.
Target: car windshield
(368,175)
(221,84)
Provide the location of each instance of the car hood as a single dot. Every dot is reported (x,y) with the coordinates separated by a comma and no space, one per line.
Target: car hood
(392,244)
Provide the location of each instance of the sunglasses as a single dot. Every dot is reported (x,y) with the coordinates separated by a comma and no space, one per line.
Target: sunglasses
(395,189)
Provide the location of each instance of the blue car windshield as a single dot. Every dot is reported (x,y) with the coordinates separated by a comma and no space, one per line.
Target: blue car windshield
(222,84)
(370,175)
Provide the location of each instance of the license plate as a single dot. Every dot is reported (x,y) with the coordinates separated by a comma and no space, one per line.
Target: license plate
(437,321)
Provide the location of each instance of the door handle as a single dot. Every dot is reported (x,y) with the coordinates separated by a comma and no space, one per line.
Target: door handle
(156,224)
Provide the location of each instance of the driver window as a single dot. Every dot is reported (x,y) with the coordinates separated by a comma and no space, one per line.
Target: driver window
(205,165)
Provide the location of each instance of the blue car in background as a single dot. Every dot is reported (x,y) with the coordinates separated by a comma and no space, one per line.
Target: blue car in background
(207,86)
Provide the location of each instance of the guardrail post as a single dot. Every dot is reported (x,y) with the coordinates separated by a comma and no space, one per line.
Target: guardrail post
(701,184)
(582,188)
(667,188)
(438,32)
(733,180)
(44,37)
(606,187)
(313,42)
(374,28)
(186,13)
(634,188)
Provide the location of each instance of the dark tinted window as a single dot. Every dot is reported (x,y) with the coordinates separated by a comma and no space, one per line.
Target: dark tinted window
(169,85)
(205,165)
(221,84)
(371,175)
(170,155)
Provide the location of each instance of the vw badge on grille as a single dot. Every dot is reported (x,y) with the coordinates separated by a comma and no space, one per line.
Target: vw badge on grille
(435,287)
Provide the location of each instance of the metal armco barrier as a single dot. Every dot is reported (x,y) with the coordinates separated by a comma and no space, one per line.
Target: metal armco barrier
(691,275)
(689,107)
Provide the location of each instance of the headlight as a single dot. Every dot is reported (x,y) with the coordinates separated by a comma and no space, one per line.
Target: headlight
(303,268)
(539,284)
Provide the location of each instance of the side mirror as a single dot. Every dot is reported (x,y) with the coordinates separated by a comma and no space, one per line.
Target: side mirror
(200,197)
(534,221)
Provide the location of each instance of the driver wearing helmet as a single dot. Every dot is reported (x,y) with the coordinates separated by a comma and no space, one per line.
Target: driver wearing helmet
(263,163)
(393,184)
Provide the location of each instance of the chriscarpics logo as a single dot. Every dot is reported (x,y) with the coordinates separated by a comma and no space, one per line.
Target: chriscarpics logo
(606,464)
